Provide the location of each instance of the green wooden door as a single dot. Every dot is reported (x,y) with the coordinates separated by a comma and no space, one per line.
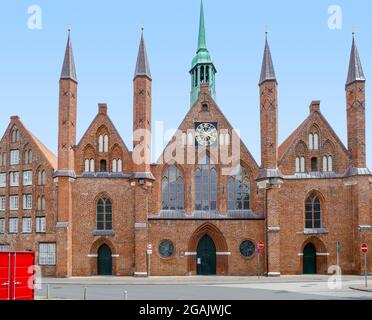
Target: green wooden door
(104,261)
(206,257)
(309,259)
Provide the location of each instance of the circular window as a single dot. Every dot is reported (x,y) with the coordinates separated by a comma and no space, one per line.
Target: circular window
(166,248)
(247,248)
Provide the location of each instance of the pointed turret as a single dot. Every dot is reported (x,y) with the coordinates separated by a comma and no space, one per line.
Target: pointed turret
(268,114)
(355,98)
(142,65)
(267,69)
(68,68)
(355,66)
(202,67)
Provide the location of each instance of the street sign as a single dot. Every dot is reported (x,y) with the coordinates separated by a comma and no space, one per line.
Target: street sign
(260,245)
(149,248)
(364,247)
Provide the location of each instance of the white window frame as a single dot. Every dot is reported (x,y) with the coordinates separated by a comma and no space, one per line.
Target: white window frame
(120,165)
(105,143)
(100,143)
(14,157)
(2,180)
(114,165)
(2,226)
(2,203)
(311,141)
(13,225)
(47,253)
(14,179)
(13,202)
(92,169)
(4,247)
(86,165)
(27,178)
(27,201)
(27,225)
(40,224)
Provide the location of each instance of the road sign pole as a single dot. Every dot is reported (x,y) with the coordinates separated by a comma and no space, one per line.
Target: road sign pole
(365,270)
(259,263)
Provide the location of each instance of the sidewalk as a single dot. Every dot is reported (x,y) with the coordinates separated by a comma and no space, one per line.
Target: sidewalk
(195,280)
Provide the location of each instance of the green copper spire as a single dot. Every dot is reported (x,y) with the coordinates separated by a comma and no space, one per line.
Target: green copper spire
(202,44)
(202,67)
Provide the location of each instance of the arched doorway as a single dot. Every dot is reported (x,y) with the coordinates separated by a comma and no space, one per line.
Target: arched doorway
(104,261)
(206,256)
(309,259)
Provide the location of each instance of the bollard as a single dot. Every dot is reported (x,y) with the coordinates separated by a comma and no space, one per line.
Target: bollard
(125,295)
(85,293)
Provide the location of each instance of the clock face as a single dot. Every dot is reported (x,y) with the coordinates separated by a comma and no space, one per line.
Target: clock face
(206,133)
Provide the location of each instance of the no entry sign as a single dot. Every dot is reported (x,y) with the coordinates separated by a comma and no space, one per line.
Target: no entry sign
(364,247)
(260,245)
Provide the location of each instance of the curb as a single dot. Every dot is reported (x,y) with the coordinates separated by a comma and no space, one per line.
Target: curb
(361,289)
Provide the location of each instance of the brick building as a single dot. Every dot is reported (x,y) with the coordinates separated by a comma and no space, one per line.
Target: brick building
(205,204)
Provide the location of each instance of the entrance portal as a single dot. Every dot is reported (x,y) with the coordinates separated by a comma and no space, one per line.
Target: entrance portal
(309,259)
(104,261)
(206,257)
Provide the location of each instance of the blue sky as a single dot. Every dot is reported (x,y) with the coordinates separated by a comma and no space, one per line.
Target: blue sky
(311,60)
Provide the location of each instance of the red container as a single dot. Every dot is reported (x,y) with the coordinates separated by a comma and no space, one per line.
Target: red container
(17,275)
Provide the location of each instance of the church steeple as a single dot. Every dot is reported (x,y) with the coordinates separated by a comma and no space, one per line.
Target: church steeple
(68,68)
(267,69)
(355,72)
(142,65)
(202,67)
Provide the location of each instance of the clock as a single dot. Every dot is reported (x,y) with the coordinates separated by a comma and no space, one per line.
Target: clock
(206,133)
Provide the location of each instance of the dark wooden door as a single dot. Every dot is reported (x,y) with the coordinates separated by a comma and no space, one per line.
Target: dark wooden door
(104,261)
(309,259)
(206,257)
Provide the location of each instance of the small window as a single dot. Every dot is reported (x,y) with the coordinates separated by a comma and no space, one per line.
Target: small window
(316,141)
(120,165)
(166,248)
(114,165)
(103,166)
(205,107)
(311,141)
(87,165)
(2,180)
(14,179)
(312,212)
(247,248)
(13,202)
(27,178)
(105,143)
(47,254)
(100,143)
(327,163)
(40,224)
(2,226)
(43,178)
(92,165)
(13,225)
(4,247)
(104,214)
(27,201)
(27,225)
(2,203)
(314,164)
(14,157)
(39,178)
(43,203)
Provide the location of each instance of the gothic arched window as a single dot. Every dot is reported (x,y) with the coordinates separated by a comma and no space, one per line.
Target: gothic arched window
(172,189)
(238,191)
(104,214)
(206,185)
(313,212)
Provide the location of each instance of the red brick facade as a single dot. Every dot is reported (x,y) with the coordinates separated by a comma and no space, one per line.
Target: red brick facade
(97,196)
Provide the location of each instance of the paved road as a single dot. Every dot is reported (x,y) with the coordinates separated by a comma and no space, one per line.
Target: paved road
(225,291)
